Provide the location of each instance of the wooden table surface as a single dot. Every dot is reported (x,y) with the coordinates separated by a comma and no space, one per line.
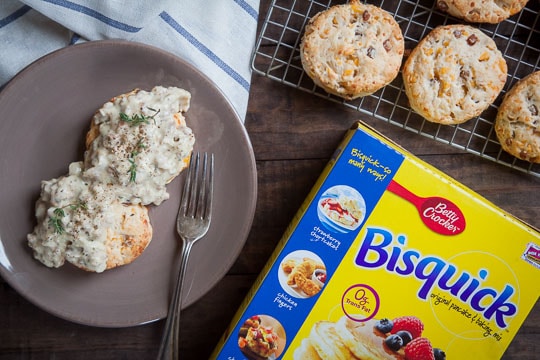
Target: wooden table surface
(293,134)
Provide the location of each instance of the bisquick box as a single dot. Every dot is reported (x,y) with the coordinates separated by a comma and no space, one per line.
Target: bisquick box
(394,238)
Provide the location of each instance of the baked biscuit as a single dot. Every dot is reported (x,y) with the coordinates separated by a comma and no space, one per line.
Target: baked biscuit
(518,120)
(130,237)
(454,74)
(352,50)
(482,11)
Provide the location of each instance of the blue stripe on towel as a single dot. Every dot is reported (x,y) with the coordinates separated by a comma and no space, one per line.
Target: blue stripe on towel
(93,13)
(14,16)
(74,39)
(248,8)
(206,51)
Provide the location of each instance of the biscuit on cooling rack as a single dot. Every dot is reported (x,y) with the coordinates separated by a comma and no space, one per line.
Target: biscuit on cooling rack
(352,50)
(518,120)
(482,11)
(454,74)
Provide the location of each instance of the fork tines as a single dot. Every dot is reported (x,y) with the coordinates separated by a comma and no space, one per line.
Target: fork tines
(198,187)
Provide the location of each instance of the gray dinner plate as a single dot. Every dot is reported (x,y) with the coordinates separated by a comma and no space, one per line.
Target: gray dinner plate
(45,113)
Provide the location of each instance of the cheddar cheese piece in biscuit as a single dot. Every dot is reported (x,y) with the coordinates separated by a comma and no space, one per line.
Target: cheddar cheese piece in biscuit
(518,119)
(454,74)
(352,50)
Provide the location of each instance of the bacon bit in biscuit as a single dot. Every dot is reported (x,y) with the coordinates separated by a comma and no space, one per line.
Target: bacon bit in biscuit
(442,6)
(366,15)
(387,44)
(471,40)
(484,56)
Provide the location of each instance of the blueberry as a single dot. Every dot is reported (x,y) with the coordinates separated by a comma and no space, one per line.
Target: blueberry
(439,354)
(394,342)
(405,336)
(384,325)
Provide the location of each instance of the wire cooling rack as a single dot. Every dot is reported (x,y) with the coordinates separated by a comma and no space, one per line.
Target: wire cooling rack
(277,57)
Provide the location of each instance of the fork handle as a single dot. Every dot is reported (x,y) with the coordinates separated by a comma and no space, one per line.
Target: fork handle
(170,342)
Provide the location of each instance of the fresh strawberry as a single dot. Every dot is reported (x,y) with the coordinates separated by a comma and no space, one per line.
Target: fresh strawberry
(419,349)
(412,324)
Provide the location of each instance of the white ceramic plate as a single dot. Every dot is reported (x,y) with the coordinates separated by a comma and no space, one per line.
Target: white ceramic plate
(44,114)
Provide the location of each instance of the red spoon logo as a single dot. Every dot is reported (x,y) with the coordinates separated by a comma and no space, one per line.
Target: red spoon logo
(437,213)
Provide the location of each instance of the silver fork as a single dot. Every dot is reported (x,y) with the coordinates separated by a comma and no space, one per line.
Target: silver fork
(192,223)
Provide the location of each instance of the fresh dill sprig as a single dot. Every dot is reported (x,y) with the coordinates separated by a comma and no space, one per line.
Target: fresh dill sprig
(133,165)
(56,220)
(138,119)
(58,213)
(132,170)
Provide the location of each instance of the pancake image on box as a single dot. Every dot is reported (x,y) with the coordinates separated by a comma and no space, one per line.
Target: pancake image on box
(352,50)
(302,274)
(341,209)
(454,74)
(518,120)
(261,337)
(384,339)
(482,11)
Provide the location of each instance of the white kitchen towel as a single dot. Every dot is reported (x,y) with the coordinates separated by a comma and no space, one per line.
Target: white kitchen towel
(216,36)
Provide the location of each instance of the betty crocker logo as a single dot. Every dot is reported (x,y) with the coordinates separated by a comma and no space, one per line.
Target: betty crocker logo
(438,214)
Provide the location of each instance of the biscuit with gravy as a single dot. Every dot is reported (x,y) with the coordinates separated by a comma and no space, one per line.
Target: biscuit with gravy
(95,217)
(84,224)
(140,140)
